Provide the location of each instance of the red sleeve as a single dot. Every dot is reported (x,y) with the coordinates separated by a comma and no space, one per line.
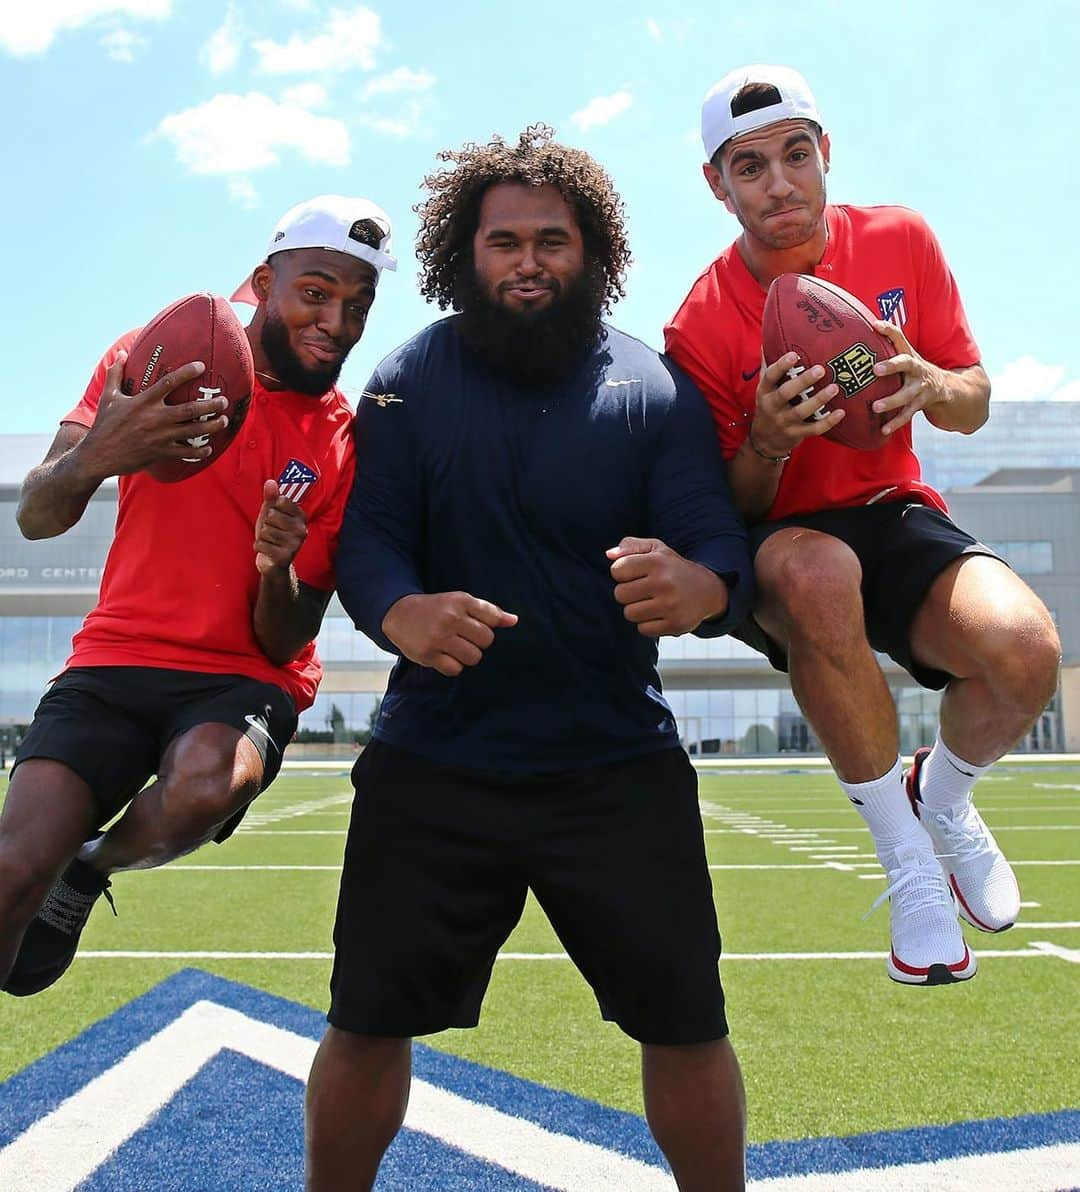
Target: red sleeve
(86,411)
(315,562)
(945,337)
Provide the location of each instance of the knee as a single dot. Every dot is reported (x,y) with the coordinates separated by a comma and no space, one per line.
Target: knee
(814,590)
(200,790)
(358,1088)
(1023,658)
(24,883)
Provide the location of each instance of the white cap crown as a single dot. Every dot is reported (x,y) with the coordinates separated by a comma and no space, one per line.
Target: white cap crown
(334,222)
(718,125)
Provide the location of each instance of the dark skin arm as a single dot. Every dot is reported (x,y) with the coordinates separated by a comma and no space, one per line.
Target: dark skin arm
(662,593)
(128,434)
(288,613)
(446,631)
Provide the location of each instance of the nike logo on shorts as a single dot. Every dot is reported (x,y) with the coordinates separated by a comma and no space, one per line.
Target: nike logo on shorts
(749,376)
(259,727)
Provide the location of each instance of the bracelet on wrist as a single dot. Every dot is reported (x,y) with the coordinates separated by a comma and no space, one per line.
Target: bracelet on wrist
(772,459)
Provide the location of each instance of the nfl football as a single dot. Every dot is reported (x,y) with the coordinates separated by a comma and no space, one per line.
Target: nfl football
(828,326)
(196,327)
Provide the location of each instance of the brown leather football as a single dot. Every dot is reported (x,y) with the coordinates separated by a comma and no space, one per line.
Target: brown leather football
(196,327)
(828,326)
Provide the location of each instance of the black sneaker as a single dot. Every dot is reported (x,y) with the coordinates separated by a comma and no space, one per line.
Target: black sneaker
(51,940)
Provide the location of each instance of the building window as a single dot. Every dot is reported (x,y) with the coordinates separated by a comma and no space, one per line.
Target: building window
(1026,557)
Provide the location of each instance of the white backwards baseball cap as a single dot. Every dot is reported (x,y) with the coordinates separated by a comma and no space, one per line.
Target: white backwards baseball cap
(718,125)
(335,222)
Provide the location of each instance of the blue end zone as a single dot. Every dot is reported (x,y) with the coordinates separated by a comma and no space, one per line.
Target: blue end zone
(238,1123)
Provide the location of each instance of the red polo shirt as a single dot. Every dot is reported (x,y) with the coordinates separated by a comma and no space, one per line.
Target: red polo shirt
(890,259)
(180,582)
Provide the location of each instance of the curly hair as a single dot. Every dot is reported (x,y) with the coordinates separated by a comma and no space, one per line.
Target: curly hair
(449,217)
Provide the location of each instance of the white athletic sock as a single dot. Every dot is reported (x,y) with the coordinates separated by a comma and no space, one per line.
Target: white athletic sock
(884,805)
(945,780)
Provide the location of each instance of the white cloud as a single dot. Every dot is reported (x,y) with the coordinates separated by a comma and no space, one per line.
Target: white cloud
(236,134)
(602,110)
(401,79)
(671,32)
(223,48)
(306,95)
(349,40)
(407,124)
(1029,379)
(30,28)
(121,45)
(243,192)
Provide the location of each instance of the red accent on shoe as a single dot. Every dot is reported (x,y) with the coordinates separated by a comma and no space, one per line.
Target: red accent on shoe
(972,918)
(956,967)
(911,779)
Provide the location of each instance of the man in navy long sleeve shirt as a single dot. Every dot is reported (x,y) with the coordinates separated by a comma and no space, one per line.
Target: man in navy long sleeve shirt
(538,499)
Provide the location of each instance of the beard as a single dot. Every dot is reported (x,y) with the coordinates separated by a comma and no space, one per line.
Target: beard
(532,348)
(274,340)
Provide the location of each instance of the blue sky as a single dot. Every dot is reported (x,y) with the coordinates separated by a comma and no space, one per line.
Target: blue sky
(150,146)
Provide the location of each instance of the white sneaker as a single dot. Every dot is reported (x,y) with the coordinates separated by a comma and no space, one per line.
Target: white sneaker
(928,946)
(982,880)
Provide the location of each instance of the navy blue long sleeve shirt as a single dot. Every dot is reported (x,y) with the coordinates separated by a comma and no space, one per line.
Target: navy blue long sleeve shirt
(465,482)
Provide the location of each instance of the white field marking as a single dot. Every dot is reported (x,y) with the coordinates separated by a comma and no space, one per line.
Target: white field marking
(1023,923)
(844,808)
(260,816)
(1057,786)
(1015,863)
(829,831)
(1072,955)
(779,865)
(871,877)
(1033,951)
(61,1150)
(1038,1169)
(1030,905)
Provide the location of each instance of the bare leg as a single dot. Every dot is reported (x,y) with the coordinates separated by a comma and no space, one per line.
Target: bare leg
(696,1109)
(47,814)
(356,1099)
(207,775)
(983,624)
(809,601)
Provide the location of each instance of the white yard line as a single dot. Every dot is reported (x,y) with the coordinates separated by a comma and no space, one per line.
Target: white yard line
(1038,1169)
(1034,951)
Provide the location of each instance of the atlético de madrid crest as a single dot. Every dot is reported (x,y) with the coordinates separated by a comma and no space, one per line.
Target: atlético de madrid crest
(295,479)
(891,308)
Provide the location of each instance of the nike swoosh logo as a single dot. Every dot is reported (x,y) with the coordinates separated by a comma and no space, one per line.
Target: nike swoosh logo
(259,727)
(749,376)
(857,802)
(966,773)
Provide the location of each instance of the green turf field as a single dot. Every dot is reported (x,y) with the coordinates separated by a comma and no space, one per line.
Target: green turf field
(828,1044)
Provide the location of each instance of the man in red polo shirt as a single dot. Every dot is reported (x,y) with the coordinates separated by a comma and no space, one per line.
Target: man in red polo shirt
(853,552)
(200,653)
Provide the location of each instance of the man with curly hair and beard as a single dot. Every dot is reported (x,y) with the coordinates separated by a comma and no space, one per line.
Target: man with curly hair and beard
(538,499)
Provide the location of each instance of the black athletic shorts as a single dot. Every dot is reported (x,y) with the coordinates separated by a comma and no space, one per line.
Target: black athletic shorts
(902,547)
(112,724)
(438,863)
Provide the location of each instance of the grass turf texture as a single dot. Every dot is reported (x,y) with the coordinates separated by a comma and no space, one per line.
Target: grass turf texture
(827,1046)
